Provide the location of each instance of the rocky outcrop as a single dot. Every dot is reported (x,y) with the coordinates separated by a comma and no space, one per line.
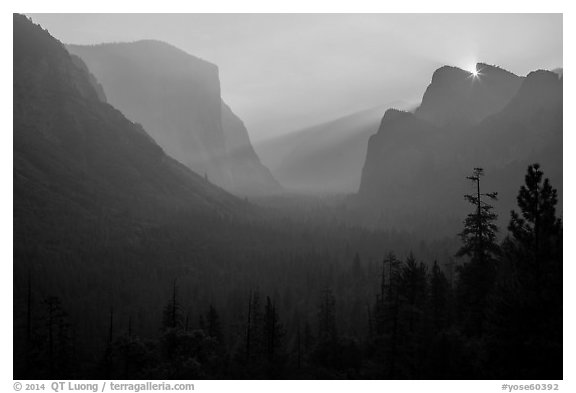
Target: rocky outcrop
(176,97)
(459,98)
(416,164)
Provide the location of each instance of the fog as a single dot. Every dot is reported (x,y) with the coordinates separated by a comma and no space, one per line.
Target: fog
(284,72)
(322,199)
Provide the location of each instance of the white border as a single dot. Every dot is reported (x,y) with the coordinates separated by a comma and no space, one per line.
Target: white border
(422,6)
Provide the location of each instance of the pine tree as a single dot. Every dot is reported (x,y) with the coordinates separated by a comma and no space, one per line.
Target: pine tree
(327,317)
(536,231)
(58,337)
(439,298)
(172,318)
(526,322)
(413,287)
(479,234)
(213,328)
(380,307)
(272,330)
(357,271)
(249,327)
(255,340)
(477,276)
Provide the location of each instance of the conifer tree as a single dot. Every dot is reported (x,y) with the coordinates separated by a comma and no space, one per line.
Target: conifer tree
(172,317)
(476,277)
(536,230)
(413,286)
(272,329)
(58,341)
(439,298)
(526,324)
(327,316)
(479,234)
(213,328)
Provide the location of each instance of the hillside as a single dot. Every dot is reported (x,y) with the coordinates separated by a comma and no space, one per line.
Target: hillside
(176,97)
(78,160)
(416,166)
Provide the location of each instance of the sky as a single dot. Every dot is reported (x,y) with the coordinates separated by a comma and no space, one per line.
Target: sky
(283,72)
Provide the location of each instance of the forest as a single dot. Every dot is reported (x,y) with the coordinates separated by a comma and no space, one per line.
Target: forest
(303,300)
(131,264)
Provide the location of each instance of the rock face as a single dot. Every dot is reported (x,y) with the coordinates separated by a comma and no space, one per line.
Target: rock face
(400,159)
(176,97)
(77,159)
(246,174)
(417,163)
(459,98)
(325,158)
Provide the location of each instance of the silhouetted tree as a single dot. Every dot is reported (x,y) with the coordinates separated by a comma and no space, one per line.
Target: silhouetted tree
(172,317)
(476,277)
(249,326)
(272,330)
(255,339)
(308,338)
(439,298)
(414,287)
(299,348)
(526,325)
(111,328)
(327,316)
(58,341)
(357,271)
(389,277)
(213,328)
(29,310)
(479,234)
(536,231)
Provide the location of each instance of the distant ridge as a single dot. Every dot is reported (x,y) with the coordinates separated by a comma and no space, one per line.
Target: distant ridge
(176,97)
(327,157)
(416,164)
(456,97)
(77,159)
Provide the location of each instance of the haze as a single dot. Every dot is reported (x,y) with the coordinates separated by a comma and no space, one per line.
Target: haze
(153,240)
(283,72)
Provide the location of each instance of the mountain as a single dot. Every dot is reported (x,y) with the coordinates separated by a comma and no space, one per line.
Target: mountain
(79,161)
(325,158)
(417,163)
(176,97)
(400,159)
(245,173)
(459,98)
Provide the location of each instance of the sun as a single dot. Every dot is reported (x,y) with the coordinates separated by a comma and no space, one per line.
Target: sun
(473,70)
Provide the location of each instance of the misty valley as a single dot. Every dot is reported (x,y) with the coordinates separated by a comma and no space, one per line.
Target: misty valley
(152,242)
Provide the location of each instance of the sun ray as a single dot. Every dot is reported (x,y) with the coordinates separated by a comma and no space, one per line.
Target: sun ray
(473,70)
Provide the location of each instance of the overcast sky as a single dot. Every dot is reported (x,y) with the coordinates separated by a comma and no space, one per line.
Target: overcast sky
(283,72)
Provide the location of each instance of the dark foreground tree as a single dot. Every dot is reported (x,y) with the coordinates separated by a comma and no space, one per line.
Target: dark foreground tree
(479,244)
(213,328)
(172,317)
(440,299)
(526,325)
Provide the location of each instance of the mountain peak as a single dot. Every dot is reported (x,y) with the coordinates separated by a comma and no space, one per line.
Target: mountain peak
(82,156)
(558,71)
(492,68)
(456,97)
(449,73)
(177,98)
(393,114)
(156,55)
(542,76)
(538,83)
(446,73)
